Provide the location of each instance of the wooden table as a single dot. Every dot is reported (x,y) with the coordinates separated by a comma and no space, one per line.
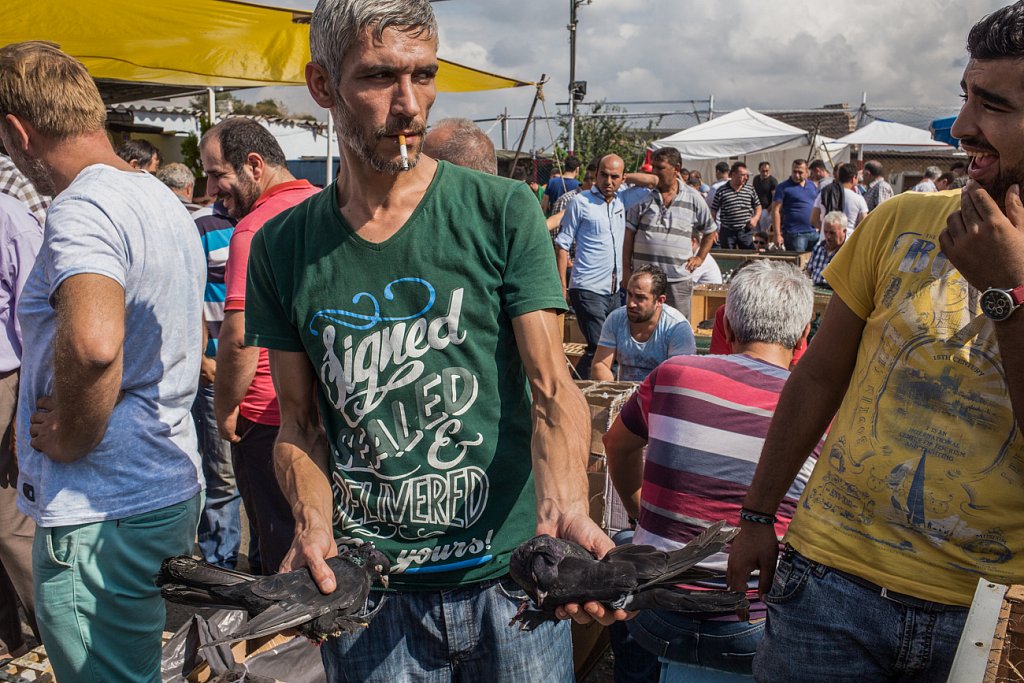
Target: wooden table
(707,299)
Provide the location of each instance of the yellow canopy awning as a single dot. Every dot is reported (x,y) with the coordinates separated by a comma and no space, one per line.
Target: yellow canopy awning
(194,43)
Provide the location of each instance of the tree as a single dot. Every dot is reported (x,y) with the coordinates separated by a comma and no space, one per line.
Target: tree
(604,131)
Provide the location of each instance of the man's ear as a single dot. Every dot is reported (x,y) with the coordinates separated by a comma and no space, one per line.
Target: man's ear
(730,336)
(319,84)
(807,331)
(257,166)
(18,131)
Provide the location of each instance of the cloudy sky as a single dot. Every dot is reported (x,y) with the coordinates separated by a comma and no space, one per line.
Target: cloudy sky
(765,55)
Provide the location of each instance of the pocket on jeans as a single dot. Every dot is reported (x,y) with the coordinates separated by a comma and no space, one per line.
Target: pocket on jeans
(62,545)
(790,577)
(512,590)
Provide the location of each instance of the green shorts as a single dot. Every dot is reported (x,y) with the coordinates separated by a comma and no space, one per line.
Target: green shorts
(99,610)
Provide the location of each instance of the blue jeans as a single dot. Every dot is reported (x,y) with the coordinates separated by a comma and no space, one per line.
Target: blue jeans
(461,634)
(591,310)
(220,528)
(701,648)
(799,241)
(826,625)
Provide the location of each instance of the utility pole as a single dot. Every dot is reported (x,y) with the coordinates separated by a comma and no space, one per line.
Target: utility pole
(575,89)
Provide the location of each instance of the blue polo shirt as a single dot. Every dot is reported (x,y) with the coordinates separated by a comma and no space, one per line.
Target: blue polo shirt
(598,228)
(797,203)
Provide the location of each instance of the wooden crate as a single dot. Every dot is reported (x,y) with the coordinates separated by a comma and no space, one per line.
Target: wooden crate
(34,666)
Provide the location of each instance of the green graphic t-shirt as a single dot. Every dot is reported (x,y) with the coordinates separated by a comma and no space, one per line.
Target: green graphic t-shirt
(421,387)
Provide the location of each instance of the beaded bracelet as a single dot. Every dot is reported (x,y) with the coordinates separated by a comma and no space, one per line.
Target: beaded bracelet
(757,517)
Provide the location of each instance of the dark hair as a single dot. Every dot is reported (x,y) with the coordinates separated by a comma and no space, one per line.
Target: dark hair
(520,173)
(592,166)
(799,162)
(957,164)
(670,155)
(571,164)
(722,167)
(736,166)
(139,151)
(874,168)
(948,176)
(763,164)
(659,282)
(818,163)
(846,172)
(999,35)
(239,137)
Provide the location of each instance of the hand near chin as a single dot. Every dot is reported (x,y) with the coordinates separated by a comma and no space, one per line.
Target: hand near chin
(986,243)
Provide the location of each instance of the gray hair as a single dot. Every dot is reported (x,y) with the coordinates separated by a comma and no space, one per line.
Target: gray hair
(337,24)
(461,142)
(932,172)
(835,218)
(176,176)
(769,303)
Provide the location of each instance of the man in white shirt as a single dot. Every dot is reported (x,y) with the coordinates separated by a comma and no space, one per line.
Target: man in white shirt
(852,204)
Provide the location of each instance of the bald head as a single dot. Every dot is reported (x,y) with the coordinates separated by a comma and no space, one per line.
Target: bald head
(610,173)
(461,142)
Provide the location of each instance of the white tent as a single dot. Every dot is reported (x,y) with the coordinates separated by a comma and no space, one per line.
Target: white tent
(752,137)
(886,136)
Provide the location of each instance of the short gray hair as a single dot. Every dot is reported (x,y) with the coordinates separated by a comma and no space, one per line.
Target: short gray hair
(465,145)
(932,172)
(176,176)
(337,24)
(769,303)
(835,218)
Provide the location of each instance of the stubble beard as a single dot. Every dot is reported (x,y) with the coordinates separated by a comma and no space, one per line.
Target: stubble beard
(38,173)
(363,143)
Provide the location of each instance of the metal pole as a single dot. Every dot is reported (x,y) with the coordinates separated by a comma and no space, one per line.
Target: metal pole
(572,76)
(213,105)
(529,120)
(330,156)
(504,130)
(711,107)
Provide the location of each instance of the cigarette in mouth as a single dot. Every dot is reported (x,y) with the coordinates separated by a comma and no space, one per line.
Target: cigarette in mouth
(404,152)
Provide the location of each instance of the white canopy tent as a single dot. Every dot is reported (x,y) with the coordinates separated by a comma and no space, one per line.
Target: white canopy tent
(752,137)
(887,136)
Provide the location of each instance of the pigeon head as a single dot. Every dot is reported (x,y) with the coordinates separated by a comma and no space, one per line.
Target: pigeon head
(376,563)
(535,564)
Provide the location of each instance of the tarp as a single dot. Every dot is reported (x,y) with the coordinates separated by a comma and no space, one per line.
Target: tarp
(196,43)
(942,130)
(735,134)
(887,136)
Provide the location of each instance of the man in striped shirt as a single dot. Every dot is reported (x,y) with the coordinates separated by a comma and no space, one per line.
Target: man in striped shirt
(703,420)
(737,210)
(658,231)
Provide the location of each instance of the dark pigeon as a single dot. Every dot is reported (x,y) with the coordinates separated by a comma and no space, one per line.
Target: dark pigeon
(555,571)
(282,601)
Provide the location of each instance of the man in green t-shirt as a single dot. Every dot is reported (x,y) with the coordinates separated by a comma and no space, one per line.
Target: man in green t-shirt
(419,307)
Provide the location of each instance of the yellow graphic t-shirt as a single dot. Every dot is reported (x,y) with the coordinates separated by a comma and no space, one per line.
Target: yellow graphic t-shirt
(919,485)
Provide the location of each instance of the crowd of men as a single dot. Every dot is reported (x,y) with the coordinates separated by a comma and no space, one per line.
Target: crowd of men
(370,362)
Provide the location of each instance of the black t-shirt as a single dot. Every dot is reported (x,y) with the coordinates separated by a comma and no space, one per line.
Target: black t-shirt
(765,189)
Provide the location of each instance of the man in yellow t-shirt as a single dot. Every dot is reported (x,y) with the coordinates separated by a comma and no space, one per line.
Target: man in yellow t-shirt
(919,367)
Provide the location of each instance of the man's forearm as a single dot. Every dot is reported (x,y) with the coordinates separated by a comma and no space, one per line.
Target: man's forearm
(1010,335)
(648,180)
(85,391)
(301,466)
(562,264)
(626,470)
(706,243)
(561,436)
(601,372)
(236,367)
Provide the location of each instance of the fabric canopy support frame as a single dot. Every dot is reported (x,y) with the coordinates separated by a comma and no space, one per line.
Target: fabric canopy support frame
(193,43)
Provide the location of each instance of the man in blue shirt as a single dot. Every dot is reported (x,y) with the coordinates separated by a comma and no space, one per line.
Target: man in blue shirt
(791,210)
(596,221)
(645,332)
(560,184)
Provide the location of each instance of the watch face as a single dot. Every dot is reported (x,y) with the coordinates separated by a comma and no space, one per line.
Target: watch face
(997,304)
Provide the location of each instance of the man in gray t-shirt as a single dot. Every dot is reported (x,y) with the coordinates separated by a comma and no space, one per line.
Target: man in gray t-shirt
(644,332)
(113,305)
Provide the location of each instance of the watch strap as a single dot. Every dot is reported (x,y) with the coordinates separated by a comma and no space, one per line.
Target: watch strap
(1017,294)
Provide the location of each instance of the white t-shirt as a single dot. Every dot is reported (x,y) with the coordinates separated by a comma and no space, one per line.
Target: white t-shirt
(130,228)
(708,273)
(853,206)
